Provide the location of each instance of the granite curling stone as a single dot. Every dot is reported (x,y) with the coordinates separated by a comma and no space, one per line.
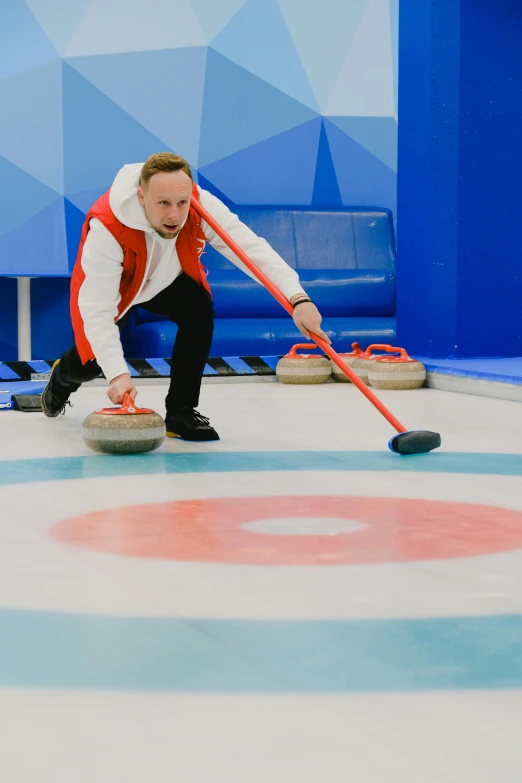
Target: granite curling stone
(361,364)
(397,372)
(124,430)
(348,359)
(302,368)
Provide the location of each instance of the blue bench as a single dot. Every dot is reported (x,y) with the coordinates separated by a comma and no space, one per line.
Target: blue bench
(345,260)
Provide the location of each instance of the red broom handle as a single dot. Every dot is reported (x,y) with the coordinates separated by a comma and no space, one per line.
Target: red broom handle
(283,301)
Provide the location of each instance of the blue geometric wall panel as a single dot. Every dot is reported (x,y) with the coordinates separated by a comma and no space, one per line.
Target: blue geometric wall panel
(85,198)
(248,111)
(40,241)
(32,136)
(74,220)
(322,35)
(58,19)
(394,27)
(206,184)
(110,26)
(253,175)
(258,39)
(214,15)
(364,84)
(363,179)
(127,78)
(326,188)
(27,197)
(378,135)
(23,44)
(271,101)
(99,137)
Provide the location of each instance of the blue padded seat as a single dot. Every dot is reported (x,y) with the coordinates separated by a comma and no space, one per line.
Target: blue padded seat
(345,259)
(258,336)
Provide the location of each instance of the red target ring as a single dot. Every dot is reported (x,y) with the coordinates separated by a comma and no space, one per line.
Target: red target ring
(392,530)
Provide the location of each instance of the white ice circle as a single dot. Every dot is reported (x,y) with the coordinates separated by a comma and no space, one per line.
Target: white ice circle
(304,526)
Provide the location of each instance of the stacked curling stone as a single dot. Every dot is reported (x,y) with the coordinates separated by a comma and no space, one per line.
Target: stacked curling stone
(361,364)
(303,368)
(124,430)
(348,359)
(397,372)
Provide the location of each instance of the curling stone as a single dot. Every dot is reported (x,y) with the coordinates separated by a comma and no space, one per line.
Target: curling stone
(124,430)
(302,368)
(397,372)
(361,364)
(348,358)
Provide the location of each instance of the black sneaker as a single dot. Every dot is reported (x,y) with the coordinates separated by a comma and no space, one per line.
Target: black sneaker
(188,424)
(53,404)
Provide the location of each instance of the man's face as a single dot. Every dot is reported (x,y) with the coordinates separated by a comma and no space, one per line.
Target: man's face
(166,201)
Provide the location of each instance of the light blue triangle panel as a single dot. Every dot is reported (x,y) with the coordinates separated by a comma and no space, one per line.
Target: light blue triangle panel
(363,180)
(38,246)
(23,44)
(239,110)
(394,22)
(323,33)
(85,199)
(138,82)
(213,16)
(58,18)
(31,125)
(99,137)
(258,39)
(27,196)
(378,135)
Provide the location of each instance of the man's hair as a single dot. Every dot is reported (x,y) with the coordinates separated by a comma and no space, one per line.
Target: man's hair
(163,161)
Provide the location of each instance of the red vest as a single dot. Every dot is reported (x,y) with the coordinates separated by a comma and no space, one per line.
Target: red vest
(134,249)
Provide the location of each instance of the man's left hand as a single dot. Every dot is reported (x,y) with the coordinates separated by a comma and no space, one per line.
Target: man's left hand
(308,319)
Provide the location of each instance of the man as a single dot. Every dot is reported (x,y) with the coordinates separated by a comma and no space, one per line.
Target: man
(140,245)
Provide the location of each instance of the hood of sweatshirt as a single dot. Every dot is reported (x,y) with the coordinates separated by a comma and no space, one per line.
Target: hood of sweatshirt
(124,202)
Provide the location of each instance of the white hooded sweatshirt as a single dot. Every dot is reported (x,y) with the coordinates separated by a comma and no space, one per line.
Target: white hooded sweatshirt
(102,263)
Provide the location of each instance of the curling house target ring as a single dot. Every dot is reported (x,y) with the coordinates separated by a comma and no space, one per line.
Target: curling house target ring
(223,530)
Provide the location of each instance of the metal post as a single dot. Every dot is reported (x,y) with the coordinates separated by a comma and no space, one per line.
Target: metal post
(24,319)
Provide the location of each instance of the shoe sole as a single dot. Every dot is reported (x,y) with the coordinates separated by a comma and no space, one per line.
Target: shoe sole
(194,440)
(49,416)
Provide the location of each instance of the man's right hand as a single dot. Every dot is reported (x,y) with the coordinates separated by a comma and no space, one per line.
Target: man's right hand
(119,386)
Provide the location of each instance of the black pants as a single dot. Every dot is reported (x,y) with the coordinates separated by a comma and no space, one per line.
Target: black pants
(187,304)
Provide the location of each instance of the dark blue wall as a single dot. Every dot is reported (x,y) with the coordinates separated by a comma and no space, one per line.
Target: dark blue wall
(8,315)
(459,268)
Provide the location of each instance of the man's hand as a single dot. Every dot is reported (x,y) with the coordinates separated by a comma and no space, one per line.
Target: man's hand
(119,386)
(308,319)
